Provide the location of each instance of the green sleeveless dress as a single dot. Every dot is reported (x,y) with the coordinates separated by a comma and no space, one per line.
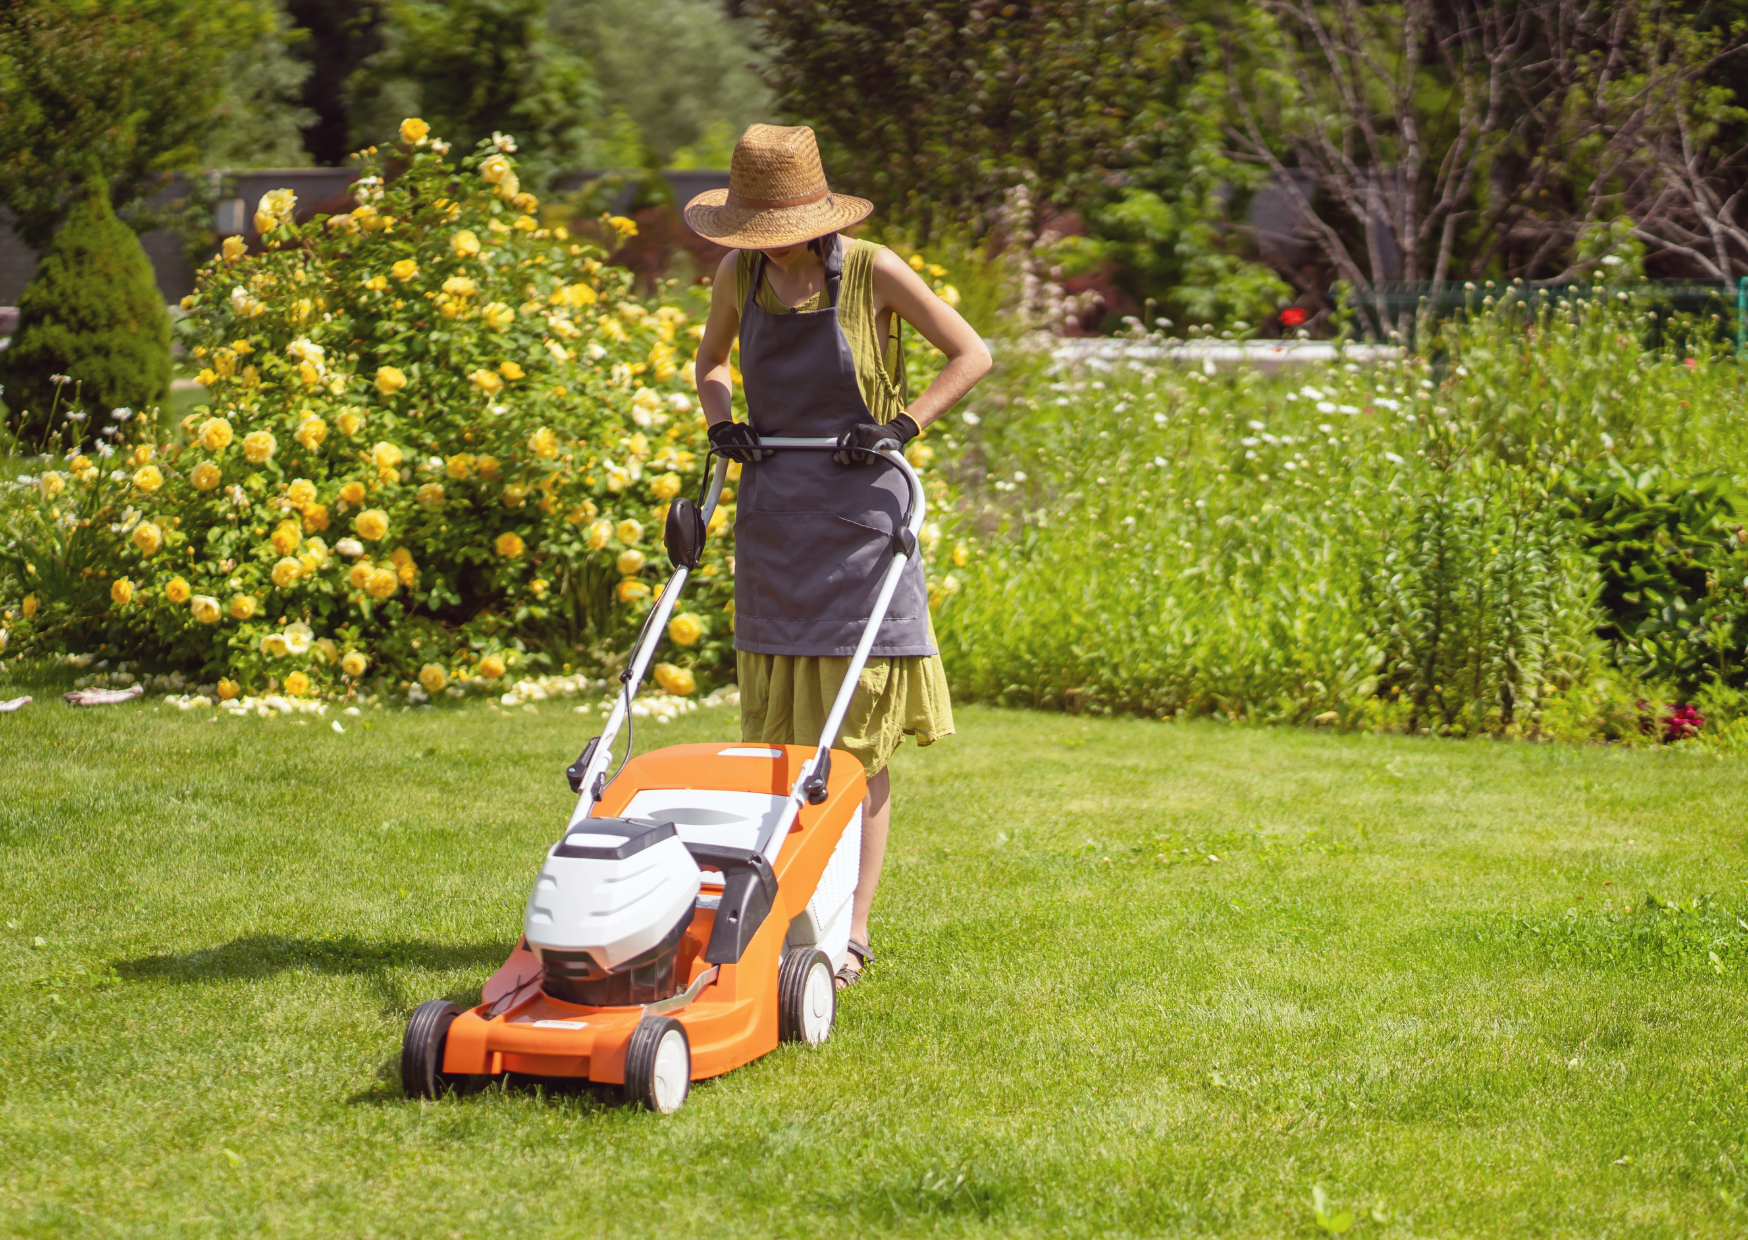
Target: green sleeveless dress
(784,699)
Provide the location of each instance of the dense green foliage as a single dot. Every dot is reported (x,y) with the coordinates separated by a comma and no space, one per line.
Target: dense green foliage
(93,314)
(1674,561)
(1380,543)
(129,90)
(1134,979)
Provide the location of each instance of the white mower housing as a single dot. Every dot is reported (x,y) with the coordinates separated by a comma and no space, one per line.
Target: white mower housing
(612,888)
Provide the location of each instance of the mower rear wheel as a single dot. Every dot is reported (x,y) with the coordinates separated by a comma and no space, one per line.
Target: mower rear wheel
(658,1065)
(807,997)
(422,1074)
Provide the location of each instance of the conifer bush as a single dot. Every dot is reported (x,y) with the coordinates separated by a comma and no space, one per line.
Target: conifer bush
(439,445)
(92,313)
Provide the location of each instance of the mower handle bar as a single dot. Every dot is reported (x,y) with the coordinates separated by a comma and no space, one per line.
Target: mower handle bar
(904,547)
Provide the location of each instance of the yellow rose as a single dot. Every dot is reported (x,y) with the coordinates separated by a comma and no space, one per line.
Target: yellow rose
(297,684)
(433,678)
(354,664)
(465,244)
(629,532)
(52,484)
(177,590)
(543,443)
(29,606)
(487,466)
(286,536)
(359,577)
(351,421)
(491,667)
(515,496)
(487,381)
(405,567)
(676,680)
(234,248)
(79,464)
(371,524)
(286,573)
(205,608)
(685,629)
(509,545)
(148,538)
(460,286)
(148,478)
(460,466)
(413,130)
(494,169)
(497,316)
(385,456)
(315,516)
(630,563)
(382,584)
(228,689)
(631,588)
(311,432)
(301,491)
(352,493)
(327,651)
(961,553)
(510,370)
(242,607)
(122,592)
(215,434)
(431,495)
(624,225)
(205,476)
(404,270)
(259,446)
(599,533)
(389,380)
(666,487)
(274,646)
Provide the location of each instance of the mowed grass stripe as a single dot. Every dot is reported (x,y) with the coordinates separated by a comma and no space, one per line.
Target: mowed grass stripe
(1134,978)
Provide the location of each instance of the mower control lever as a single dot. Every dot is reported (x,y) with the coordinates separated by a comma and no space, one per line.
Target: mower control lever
(749,889)
(821,776)
(578,771)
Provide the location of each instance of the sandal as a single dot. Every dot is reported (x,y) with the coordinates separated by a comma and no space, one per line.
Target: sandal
(848,975)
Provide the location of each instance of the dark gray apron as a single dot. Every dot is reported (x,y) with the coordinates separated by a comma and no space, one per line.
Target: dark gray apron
(813,538)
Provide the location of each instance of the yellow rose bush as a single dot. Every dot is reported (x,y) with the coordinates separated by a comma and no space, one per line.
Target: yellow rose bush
(433,431)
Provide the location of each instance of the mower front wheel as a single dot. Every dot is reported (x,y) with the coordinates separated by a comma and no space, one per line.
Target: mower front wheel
(422,1074)
(658,1065)
(807,997)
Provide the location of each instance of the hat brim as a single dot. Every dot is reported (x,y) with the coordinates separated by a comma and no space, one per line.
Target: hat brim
(772,228)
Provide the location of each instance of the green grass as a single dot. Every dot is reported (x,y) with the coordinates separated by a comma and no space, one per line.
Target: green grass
(1081,1022)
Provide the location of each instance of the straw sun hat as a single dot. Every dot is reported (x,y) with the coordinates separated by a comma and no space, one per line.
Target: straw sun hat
(776,195)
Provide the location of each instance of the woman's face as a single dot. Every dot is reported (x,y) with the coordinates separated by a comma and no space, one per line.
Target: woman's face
(789,255)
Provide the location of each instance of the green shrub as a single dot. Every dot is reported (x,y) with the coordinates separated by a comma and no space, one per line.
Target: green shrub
(93,312)
(440,443)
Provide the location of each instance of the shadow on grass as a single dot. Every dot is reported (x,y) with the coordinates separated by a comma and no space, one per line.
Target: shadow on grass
(261,955)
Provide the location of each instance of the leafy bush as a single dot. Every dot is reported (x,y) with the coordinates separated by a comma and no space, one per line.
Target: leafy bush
(440,443)
(92,313)
(1674,561)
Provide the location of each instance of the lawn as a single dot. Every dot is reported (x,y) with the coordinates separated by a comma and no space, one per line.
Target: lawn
(1134,979)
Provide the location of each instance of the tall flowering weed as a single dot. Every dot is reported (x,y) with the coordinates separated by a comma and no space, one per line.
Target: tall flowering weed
(439,445)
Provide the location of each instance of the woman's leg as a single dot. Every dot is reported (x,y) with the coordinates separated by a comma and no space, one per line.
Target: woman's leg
(876,817)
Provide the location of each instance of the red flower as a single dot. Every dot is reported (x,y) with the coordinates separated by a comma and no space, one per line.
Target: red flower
(1681,723)
(1292,316)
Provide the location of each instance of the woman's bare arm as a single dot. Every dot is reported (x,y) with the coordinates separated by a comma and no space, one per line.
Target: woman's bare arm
(710,369)
(901,290)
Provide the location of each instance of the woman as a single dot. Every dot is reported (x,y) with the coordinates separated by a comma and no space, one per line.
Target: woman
(817,316)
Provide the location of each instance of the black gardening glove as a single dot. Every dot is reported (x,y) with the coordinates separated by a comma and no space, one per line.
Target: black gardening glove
(857,445)
(736,441)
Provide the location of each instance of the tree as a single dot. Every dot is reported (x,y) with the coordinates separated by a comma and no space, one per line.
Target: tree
(129,90)
(475,67)
(339,37)
(92,313)
(678,68)
(1440,139)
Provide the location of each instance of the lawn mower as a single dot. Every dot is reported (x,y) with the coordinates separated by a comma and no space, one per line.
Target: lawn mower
(697,907)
